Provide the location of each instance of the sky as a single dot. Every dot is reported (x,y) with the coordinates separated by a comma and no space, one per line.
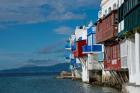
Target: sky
(33,32)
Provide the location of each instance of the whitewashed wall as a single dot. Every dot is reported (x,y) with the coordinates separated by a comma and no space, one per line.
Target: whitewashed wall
(124,53)
(121,24)
(106,4)
(131,60)
(72,56)
(78,61)
(72,38)
(90,40)
(81,33)
(93,62)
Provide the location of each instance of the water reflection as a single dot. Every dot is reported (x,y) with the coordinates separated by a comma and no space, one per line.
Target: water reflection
(87,88)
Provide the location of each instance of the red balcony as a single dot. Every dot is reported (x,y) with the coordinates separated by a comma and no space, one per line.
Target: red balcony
(106,28)
(109,66)
(75,53)
(112,57)
(78,52)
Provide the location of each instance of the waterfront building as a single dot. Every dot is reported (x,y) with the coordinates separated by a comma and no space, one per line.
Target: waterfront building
(81,36)
(86,56)
(107,29)
(74,64)
(129,35)
(106,33)
(94,55)
(114,47)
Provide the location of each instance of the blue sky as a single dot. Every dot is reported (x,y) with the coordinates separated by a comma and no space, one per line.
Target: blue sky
(33,32)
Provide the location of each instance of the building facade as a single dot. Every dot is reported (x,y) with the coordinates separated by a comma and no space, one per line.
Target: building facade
(129,33)
(86,52)
(106,33)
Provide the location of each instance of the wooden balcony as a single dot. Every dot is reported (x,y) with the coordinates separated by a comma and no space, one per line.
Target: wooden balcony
(106,28)
(131,20)
(112,59)
(130,13)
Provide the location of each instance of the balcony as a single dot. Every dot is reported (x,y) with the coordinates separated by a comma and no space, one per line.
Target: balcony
(75,64)
(68,46)
(67,56)
(106,28)
(73,47)
(130,5)
(73,61)
(112,64)
(79,52)
(90,31)
(132,21)
(92,49)
(112,59)
(129,12)
(75,53)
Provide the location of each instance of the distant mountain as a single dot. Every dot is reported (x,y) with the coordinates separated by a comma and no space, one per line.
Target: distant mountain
(37,69)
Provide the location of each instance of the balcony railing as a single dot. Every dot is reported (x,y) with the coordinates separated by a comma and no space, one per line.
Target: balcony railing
(67,56)
(112,59)
(67,47)
(73,47)
(132,21)
(79,52)
(107,27)
(92,48)
(73,61)
(129,12)
(130,5)
(75,53)
(74,64)
(112,64)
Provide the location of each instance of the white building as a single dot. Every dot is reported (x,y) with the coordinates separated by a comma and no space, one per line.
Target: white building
(129,28)
(107,6)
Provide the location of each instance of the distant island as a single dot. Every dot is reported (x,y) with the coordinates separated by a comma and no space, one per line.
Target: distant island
(36,70)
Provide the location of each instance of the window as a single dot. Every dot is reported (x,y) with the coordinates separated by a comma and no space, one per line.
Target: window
(115,6)
(105,12)
(109,9)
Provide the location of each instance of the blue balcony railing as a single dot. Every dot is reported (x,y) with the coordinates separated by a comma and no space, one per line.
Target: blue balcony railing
(67,57)
(92,48)
(74,64)
(73,61)
(67,46)
(100,56)
(73,47)
(90,31)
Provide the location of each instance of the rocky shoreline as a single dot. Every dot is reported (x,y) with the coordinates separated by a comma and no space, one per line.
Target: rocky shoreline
(119,87)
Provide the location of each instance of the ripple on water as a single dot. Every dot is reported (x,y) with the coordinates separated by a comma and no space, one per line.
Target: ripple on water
(47,84)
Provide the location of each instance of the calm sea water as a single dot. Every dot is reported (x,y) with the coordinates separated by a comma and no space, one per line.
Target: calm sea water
(47,84)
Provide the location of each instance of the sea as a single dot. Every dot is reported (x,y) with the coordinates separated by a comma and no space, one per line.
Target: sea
(47,84)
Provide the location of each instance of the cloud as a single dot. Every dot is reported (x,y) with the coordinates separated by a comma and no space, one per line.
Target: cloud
(65,16)
(10,56)
(34,11)
(64,30)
